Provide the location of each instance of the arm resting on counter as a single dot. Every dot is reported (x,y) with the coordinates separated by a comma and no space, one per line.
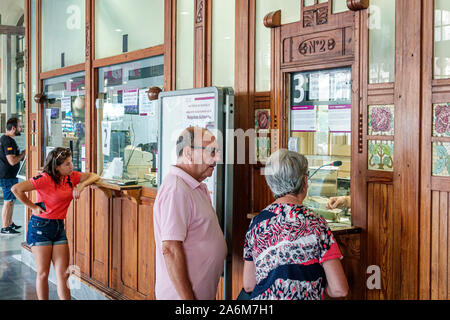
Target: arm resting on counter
(249,276)
(337,285)
(87,179)
(175,259)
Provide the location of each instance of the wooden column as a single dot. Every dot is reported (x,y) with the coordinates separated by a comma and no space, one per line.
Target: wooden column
(407,101)
(241,194)
(202,43)
(170,40)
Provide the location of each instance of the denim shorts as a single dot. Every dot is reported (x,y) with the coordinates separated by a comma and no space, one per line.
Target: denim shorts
(6,185)
(45,232)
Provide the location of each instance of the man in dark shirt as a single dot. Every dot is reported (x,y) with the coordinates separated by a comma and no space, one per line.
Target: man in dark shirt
(10,158)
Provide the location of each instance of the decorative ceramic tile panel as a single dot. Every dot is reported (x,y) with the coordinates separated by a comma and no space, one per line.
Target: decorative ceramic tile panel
(262,120)
(381,120)
(381,155)
(441,159)
(441,118)
(262,149)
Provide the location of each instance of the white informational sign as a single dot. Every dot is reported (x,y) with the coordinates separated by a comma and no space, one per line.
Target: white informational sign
(130,97)
(314,86)
(324,83)
(146,107)
(66,104)
(339,118)
(106,137)
(341,86)
(199,111)
(293,144)
(181,112)
(303,118)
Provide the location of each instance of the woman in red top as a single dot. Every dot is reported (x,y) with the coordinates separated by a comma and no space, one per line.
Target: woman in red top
(56,187)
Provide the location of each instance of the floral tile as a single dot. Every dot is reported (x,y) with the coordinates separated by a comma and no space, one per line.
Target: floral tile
(262,120)
(441,159)
(381,155)
(441,117)
(262,149)
(381,120)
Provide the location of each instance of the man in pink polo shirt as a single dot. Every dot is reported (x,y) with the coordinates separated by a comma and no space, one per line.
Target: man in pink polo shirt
(190,246)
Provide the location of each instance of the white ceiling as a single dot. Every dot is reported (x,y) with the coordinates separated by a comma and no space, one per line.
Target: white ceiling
(11,11)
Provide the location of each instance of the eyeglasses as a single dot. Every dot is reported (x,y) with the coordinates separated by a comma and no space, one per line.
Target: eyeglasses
(65,153)
(212,151)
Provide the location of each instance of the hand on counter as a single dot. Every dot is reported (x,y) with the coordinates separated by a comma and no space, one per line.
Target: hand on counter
(339,202)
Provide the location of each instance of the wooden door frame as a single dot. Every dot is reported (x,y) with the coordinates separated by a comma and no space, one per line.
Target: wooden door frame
(280,97)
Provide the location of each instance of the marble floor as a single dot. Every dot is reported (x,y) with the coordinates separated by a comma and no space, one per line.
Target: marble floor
(17,281)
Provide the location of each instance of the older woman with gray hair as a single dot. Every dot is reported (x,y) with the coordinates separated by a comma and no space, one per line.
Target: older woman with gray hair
(289,252)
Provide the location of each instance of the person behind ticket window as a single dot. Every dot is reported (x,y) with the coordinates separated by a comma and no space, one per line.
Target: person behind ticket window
(339,202)
(190,246)
(289,252)
(56,186)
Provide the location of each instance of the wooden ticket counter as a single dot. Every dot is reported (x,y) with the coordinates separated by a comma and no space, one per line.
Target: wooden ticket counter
(386,63)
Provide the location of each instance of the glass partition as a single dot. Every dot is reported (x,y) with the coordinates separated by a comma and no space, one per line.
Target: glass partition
(64,114)
(124,26)
(290,12)
(339,6)
(441,39)
(185,45)
(320,129)
(32,51)
(128,122)
(63,35)
(223,43)
(381,41)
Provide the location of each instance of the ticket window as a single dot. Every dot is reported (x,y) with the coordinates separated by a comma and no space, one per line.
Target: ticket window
(320,129)
(64,117)
(128,122)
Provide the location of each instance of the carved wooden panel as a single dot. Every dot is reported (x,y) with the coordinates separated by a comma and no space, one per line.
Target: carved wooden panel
(202,43)
(129,245)
(146,250)
(69,228)
(440,246)
(316,16)
(350,245)
(199,12)
(100,238)
(380,237)
(320,45)
(132,248)
(82,232)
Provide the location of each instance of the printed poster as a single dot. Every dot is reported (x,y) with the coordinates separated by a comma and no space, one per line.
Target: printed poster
(146,107)
(130,101)
(303,118)
(66,104)
(339,118)
(199,111)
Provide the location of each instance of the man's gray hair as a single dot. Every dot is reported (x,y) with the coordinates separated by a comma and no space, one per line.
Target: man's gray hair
(285,172)
(185,139)
(188,138)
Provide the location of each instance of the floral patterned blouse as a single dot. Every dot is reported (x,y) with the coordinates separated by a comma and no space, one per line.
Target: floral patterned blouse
(288,243)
